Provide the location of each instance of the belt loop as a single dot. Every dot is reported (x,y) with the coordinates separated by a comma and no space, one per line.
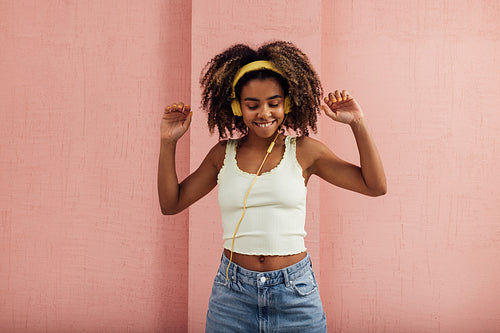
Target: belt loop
(286,279)
(235,271)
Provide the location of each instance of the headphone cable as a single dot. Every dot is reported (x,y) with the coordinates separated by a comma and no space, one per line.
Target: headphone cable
(269,149)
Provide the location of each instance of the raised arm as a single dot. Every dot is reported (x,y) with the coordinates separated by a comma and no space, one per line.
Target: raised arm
(368,178)
(174,196)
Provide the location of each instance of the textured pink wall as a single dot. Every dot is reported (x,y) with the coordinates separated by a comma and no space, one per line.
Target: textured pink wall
(82,244)
(424,258)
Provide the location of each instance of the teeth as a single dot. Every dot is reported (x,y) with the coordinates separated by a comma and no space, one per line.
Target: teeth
(265,124)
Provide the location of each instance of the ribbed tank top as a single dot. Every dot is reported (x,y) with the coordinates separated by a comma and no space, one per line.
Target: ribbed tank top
(276,206)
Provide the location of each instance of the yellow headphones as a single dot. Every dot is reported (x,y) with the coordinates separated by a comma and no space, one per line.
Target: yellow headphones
(251,67)
(236,107)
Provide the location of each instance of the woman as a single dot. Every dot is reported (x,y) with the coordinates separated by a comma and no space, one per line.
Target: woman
(265,281)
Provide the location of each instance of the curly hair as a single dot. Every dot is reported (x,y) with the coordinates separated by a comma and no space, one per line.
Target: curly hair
(301,84)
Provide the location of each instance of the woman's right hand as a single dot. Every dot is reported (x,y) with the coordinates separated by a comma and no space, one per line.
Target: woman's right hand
(175,121)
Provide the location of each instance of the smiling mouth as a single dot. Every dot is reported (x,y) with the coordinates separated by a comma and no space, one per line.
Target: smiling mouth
(266,124)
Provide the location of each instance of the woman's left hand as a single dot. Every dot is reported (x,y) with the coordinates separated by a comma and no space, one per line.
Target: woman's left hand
(342,108)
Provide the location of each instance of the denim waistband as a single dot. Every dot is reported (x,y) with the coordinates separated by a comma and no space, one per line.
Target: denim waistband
(269,278)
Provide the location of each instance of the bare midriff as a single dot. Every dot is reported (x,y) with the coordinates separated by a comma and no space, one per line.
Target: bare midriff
(264,263)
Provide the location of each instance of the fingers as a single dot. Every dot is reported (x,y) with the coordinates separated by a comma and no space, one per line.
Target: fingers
(337,96)
(179,107)
(329,112)
(187,122)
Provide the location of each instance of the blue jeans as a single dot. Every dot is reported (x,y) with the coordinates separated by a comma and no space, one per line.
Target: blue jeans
(285,300)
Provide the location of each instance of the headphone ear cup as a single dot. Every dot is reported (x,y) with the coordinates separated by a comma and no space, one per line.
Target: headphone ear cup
(235,105)
(287,107)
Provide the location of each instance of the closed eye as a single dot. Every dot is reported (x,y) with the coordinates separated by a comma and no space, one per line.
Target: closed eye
(273,102)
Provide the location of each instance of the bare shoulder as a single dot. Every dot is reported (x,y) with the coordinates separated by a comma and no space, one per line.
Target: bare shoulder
(311,151)
(308,151)
(217,153)
(305,142)
(310,147)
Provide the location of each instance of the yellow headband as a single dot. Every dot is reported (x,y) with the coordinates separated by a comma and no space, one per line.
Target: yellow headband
(251,67)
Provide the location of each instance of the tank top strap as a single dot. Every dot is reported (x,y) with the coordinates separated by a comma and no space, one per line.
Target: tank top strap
(290,147)
(231,148)
(228,157)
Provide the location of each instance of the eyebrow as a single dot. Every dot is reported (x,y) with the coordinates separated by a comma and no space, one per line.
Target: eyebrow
(258,100)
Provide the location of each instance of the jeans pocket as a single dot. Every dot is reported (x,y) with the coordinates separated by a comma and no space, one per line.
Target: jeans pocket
(304,284)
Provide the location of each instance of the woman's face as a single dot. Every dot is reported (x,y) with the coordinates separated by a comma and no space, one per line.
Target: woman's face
(262,105)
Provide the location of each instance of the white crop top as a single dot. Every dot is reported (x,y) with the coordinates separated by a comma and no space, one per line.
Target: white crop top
(276,206)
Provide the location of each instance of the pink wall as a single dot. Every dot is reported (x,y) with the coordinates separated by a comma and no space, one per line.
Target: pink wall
(424,258)
(83,246)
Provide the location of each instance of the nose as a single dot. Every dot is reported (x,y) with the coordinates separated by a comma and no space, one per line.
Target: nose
(265,111)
